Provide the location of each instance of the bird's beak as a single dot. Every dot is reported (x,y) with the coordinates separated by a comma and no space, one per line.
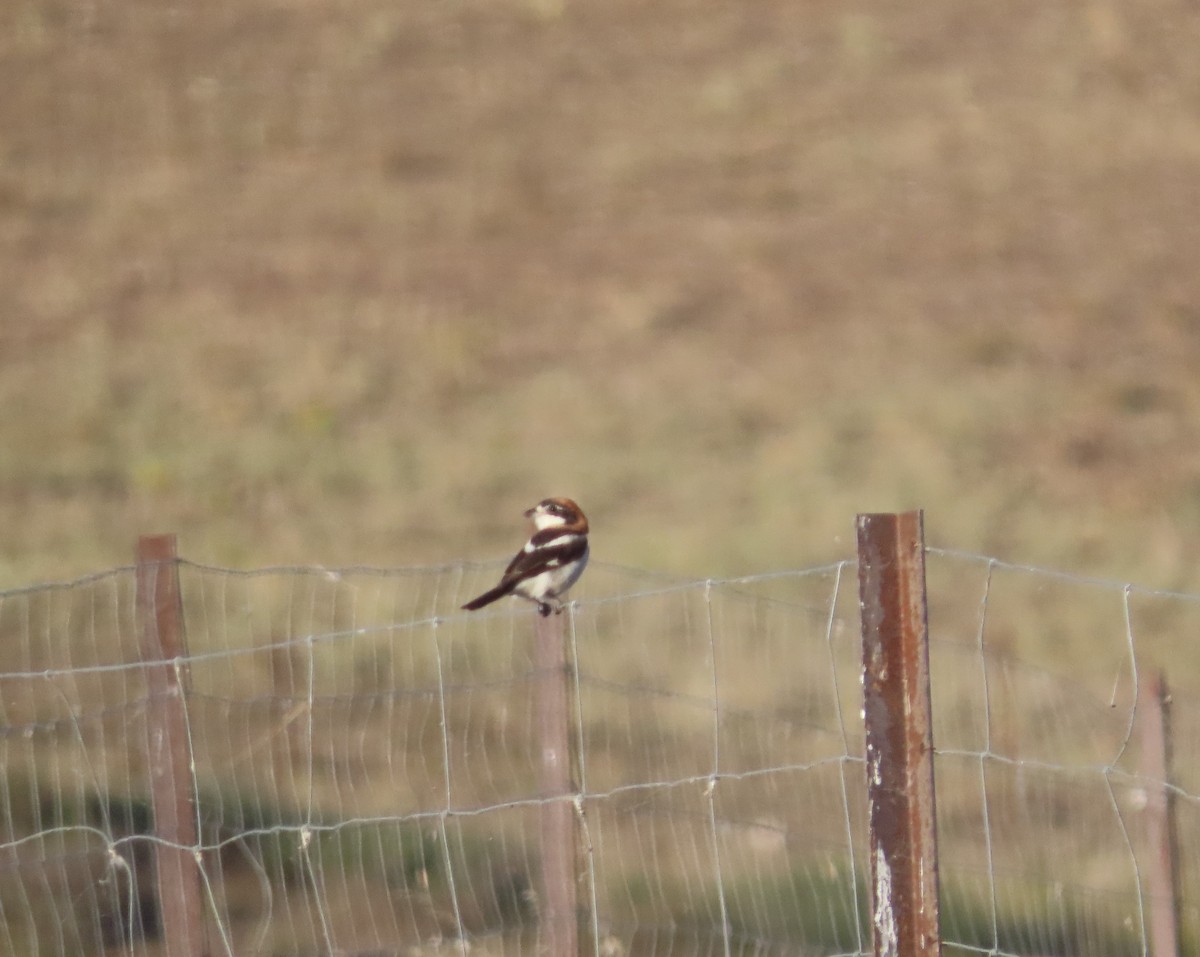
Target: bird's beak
(529,512)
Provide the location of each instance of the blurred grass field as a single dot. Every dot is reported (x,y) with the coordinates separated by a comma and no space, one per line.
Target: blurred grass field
(355,283)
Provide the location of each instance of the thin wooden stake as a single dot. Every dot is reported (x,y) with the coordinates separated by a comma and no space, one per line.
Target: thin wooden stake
(896,709)
(558,899)
(160,615)
(1162,873)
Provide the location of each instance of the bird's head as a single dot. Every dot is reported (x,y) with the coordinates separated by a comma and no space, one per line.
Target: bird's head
(557,512)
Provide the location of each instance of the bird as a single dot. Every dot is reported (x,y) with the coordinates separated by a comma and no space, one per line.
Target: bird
(551,561)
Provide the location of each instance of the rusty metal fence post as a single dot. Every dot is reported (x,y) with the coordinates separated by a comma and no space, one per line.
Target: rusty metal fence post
(557,902)
(160,622)
(896,710)
(1163,870)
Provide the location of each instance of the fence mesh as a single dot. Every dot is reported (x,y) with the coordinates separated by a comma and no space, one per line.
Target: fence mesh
(365,758)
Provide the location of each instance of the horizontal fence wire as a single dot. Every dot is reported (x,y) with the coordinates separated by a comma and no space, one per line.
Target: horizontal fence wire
(366,771)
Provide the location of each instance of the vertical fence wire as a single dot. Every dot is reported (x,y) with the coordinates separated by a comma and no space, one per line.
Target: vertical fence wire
(984,757)
(588,848)
(1110,774)
(844,770)
(443,831)
(710,790)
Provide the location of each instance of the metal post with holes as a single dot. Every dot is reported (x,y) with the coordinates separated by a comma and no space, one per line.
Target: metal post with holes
(1162,872)
(896,710)
(557,903)
(160,623)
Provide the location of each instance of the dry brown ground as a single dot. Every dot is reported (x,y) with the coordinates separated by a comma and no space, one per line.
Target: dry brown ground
(355,282)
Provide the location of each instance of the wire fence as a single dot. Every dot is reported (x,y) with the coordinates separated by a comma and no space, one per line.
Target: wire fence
(364,763)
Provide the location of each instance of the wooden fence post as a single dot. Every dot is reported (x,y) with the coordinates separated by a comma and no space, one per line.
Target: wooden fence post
(1163,870)
(160,620)
(896,710)
(557,904)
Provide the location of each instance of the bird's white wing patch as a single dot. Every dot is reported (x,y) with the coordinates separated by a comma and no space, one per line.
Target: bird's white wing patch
(556,542)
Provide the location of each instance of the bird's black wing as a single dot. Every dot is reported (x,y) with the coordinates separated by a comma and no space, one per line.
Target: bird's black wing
(527,564)
(544,556)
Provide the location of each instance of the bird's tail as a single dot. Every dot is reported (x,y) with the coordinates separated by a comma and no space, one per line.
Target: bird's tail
(489,596)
